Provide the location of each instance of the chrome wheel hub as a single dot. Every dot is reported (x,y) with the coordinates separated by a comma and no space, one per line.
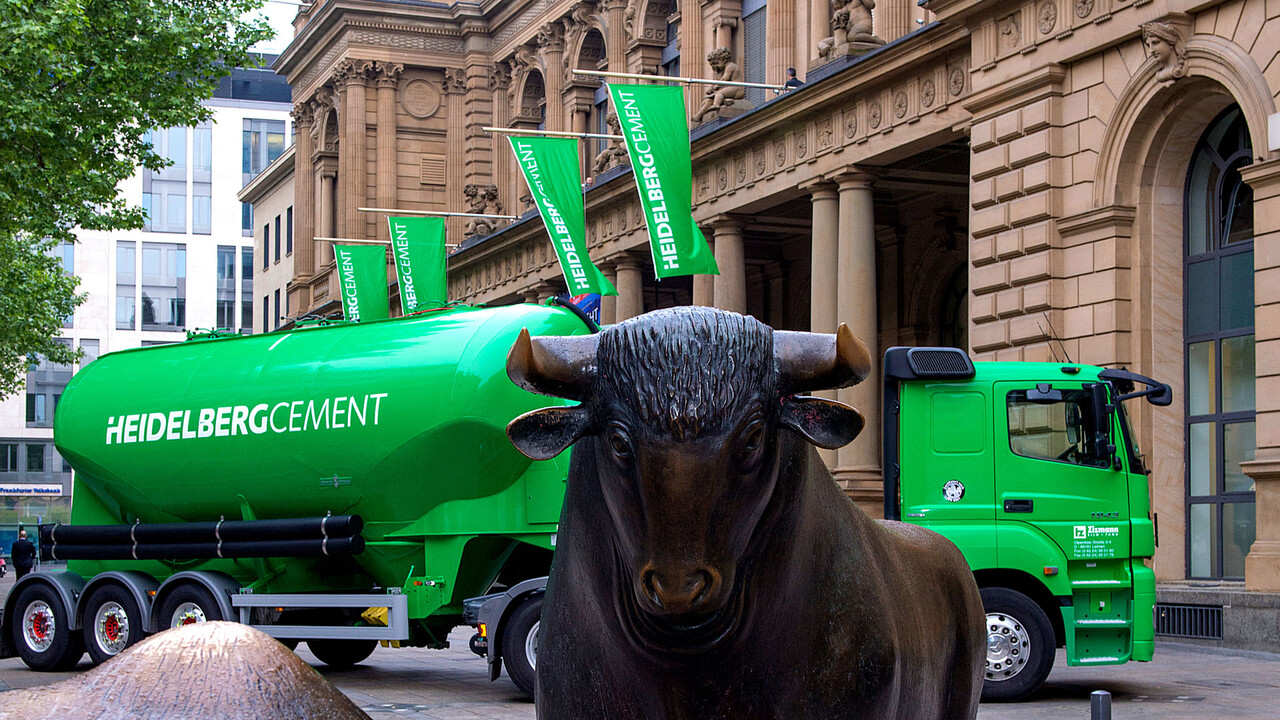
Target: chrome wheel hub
(1008,646)
(531,645)
(38,626)
(187,613)
(111,628)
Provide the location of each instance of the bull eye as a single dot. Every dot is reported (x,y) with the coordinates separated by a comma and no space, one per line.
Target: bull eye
(750,443)
(619,444)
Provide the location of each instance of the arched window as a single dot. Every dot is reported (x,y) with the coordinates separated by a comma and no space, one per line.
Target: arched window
(1218,330)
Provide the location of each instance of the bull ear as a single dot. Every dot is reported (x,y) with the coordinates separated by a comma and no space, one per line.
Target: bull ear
(544,434)
(818,361)
(825,423)
(556,366)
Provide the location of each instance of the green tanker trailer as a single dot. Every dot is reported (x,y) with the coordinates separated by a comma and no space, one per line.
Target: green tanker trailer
(338,484)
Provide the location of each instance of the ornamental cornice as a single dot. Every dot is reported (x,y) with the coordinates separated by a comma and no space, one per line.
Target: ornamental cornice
(404,28)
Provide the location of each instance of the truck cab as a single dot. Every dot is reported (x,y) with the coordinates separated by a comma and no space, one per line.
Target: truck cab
(1032,470)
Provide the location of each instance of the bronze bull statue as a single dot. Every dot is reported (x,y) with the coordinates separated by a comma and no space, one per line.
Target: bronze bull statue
(707,565)
(211,671)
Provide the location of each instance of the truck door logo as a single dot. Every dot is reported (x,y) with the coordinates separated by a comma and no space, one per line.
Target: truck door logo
(953,490)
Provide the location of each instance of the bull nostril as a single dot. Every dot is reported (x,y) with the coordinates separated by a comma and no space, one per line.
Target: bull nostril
(652,590)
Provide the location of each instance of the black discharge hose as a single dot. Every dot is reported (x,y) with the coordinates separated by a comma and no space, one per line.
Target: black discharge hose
(293,537)
(328,547)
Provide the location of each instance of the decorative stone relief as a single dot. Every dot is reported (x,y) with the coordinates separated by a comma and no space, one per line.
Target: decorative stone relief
(388,74)
(927,93)
(874,115)
(722,179)
(850,123)
(1047,15)
(482,200)
(899,104)
(500,76)
(1083,8)
(851,31)
(760,164)
(955,81)
(420,98)
(614,153)
(723,101)
(551,37)
(802,144)
(826,133)
(1165,45)
(455,80)
(1010,32)
(629,18)
(741,170)
(780,154)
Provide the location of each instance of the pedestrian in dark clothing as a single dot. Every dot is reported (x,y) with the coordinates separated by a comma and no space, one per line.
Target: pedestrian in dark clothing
(792,82)
(23,554)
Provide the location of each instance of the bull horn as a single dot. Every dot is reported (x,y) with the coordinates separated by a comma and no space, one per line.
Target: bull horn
(818,361)
(556,366)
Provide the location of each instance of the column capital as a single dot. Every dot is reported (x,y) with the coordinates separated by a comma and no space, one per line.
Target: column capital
(303,115)
(352,72)
(723,222)
(852,176)
(455,81)
(388,74)
(625,261)
(819,188)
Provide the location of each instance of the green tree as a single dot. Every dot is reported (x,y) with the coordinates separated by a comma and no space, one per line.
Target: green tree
(81,83)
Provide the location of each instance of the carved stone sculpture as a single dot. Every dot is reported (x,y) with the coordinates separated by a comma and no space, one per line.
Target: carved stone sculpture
(723,100)
(614,153)
(482,200)
(212,670)
(1165,45)
(699,521)
(850,29)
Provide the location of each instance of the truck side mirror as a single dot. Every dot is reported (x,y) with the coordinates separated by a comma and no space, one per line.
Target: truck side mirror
(1044,394)
(1102,410)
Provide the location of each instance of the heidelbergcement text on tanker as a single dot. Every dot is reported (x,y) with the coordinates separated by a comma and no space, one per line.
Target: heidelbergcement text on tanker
(232,420)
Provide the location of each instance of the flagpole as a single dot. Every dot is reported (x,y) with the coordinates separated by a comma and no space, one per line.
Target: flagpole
(672,78)
(551,133)
(438,213)
(353,241)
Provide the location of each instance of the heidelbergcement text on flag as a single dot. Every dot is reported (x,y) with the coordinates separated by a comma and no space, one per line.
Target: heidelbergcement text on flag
(362,281)
(418,246)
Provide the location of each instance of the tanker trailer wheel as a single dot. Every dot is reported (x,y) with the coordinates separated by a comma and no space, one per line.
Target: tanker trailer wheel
(189,604)
(112,623)
(520,645)
(1020,645)
(42,631)
(342,653)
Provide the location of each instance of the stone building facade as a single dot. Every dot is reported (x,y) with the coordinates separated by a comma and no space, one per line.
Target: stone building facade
(1030,180)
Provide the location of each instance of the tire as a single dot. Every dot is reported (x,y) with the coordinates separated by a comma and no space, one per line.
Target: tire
(187,604)
(42,631)
(520,645)
(111,624)
(1020,646)
(342,653)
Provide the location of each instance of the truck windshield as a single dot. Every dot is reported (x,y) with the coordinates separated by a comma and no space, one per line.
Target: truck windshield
(1137,463)
(1060,430)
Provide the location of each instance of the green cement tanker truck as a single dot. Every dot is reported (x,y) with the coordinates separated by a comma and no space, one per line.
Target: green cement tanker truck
(339,485)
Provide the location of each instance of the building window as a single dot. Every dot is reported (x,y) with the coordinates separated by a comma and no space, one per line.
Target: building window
(35,458)
(8,457)
(671,53)
(266,246)
(164,286)
(288,224)
(226,300)
(264,141)
(164,191)
(66,252)
(246,219)
(266,313)
(90,350)
(1220,370)
(45,382)
(246,290)
(753,48)
(202,179)
(276,324)
(126,284)
(277,238)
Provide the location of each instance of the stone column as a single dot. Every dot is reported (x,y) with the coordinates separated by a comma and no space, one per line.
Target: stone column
(551,38)
(1262,564)
(704,286)
(892,19)
(780,33)
(499,85)
(352,172)
(859,461)
(692,50)
(822,272)
(819,28)
(328,196)
(388,78)
(609,303)
(304,192)
(580,117)
(455,87)
(630,288)
(615,43)
(731,283)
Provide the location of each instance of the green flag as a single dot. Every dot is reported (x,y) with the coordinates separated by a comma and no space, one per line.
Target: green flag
(417,243)
(656,129)
(550,167)
(362,279)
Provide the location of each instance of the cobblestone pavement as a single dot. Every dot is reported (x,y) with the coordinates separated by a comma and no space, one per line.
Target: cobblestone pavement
(1182,682)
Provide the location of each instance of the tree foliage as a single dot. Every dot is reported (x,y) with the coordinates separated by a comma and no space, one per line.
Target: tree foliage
(81,83)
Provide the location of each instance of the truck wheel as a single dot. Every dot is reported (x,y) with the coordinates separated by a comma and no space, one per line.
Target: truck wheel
(520,645)
(188,604)
(1020,646)
(112,622)
(42,630)
(342,653)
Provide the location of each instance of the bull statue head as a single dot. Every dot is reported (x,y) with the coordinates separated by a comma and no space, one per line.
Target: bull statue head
(680,417)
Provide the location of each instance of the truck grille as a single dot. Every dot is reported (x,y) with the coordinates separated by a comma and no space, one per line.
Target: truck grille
(939,361)
(1202,622)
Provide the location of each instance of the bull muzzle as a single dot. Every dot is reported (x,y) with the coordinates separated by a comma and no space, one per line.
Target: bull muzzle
(681,592)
